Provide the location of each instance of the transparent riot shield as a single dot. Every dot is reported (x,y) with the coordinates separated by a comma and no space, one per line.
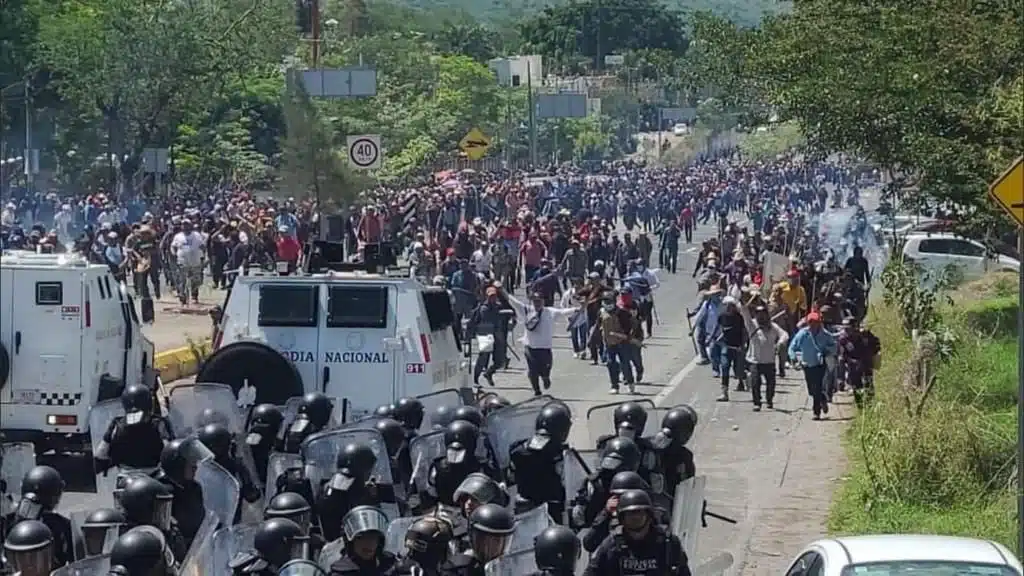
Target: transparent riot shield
(513,564)
(331,553)
(277,464)
(228,542)
(199,559)
(291,410)
(601,419)
(432,401)
(504,427)
(221,491)
(718,565)
(95,566)
(320,453)
(77,519)
(301,568)
(16,459)
(423,450)
(100,417)
(529,525)
(578,465)
(688,511)
(394,541)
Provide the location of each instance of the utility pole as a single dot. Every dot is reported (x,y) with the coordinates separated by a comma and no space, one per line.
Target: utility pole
(314,23)
(29,155)
(599,65)
(533,122)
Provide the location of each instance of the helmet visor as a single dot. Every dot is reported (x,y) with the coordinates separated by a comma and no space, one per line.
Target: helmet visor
(300,425)
(662,440)
(488,545)
(342,481)
(162,512)
(301,568)
(194,451)
(100,539)
(38,561)
(134,417)
(456,453)
(539,440)
(29,508)
(364,519)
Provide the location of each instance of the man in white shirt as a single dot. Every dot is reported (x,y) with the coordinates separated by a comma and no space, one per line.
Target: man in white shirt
(189,250)
(481,258)
(538,339)
(766,340)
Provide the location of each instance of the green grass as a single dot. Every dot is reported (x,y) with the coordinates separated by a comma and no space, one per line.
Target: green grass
(948,466)
(769,144)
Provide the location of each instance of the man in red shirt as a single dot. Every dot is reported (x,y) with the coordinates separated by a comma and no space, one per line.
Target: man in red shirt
(288,248)
(686,223)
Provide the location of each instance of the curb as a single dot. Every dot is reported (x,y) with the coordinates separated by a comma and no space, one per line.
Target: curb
(183,362)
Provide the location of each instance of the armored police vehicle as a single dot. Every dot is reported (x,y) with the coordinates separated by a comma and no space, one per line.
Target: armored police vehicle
(69,337)
(362,338)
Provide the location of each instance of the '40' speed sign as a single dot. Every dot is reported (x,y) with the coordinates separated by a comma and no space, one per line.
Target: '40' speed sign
(364,151)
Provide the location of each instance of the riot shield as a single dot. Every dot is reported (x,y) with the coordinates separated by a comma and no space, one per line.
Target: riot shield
(227,542)
(578,465)
(277,464)
(331,553)
(514,564)
(423,450)
(504,427)
(95,566)
(199,558)
(529,525)
(601,419)
(432,401)
(100,417)
(221,491)
(291,410)
(394,541)
(16,459)
(320,453)
(301,568)
(687,512)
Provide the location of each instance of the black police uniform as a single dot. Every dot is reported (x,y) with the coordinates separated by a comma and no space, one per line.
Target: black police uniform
(262,435)
(275,542)
(297,509)
(355,466)
(606,521)
(358,522)
(140,501)
(386,565)
(136,445)
(43,487)
(555,552)
(492,519)
(429,538)
(187,507)
(445,476)
(537,463)
(659,553)
(398,449)
(141,552)
(219,439)
(634,416)
(313,415)
(620,454)
(674,459)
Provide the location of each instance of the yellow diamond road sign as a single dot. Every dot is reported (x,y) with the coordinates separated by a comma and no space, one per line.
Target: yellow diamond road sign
(1008,191)
(475,144)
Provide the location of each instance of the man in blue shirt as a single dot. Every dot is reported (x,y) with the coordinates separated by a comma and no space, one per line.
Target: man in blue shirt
(815,348)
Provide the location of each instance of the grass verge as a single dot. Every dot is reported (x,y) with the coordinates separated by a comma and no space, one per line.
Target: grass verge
(941,458)
(768,144)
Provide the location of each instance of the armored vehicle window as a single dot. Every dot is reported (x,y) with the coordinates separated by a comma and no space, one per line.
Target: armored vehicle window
(439,309)
(358,307)
(49,293)
(294,306)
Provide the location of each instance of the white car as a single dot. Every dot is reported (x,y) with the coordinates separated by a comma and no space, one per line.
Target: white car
(935,252)
(680,129)
(904,555)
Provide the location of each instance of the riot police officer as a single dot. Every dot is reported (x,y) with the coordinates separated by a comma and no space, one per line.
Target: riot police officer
(555,551)
(136,439)
(475,491)
(313,416)
(101,526)
(605,521)
(409,411)
(674,459)
(142,551)
(29,548)
(398,449)
(620,453)
(384,411)
(630,419)
(275,542)
(295,508)
(178,464)
(221,442)
(262,434)
(490,529)
(348,488)
(148,502)
(638,545)
(41,492)
(443,416)
(537,462)
(492,403)
(460,460)
(470,414)
(365,529)
(426,546)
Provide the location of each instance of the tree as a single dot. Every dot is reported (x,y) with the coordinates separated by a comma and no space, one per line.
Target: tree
(469,39)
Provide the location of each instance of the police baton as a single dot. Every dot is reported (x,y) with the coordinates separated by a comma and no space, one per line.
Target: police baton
(689,323)
(705,514)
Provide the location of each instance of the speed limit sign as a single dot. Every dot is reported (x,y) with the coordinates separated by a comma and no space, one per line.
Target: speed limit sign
(364,151)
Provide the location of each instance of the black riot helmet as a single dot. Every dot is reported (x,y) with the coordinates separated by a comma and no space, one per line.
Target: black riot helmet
(393,433)
(212,416)
(292,506)
(552,425)
(29,548)
(279,540)
(460,440)
(47,485)
(218,439)
(676,427)
(630,502)
(620,453)
(266,419)
(355,464)
(443,416)
(493,402)
(146,501)
(470,414)
(630,419)
(478,489)
(316,408)
(142,551)
(385,411)
(427,540)
(100,527)
(627,480)
(409,411)
(556,549)
(490,530)
(180,457)
(137,401)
